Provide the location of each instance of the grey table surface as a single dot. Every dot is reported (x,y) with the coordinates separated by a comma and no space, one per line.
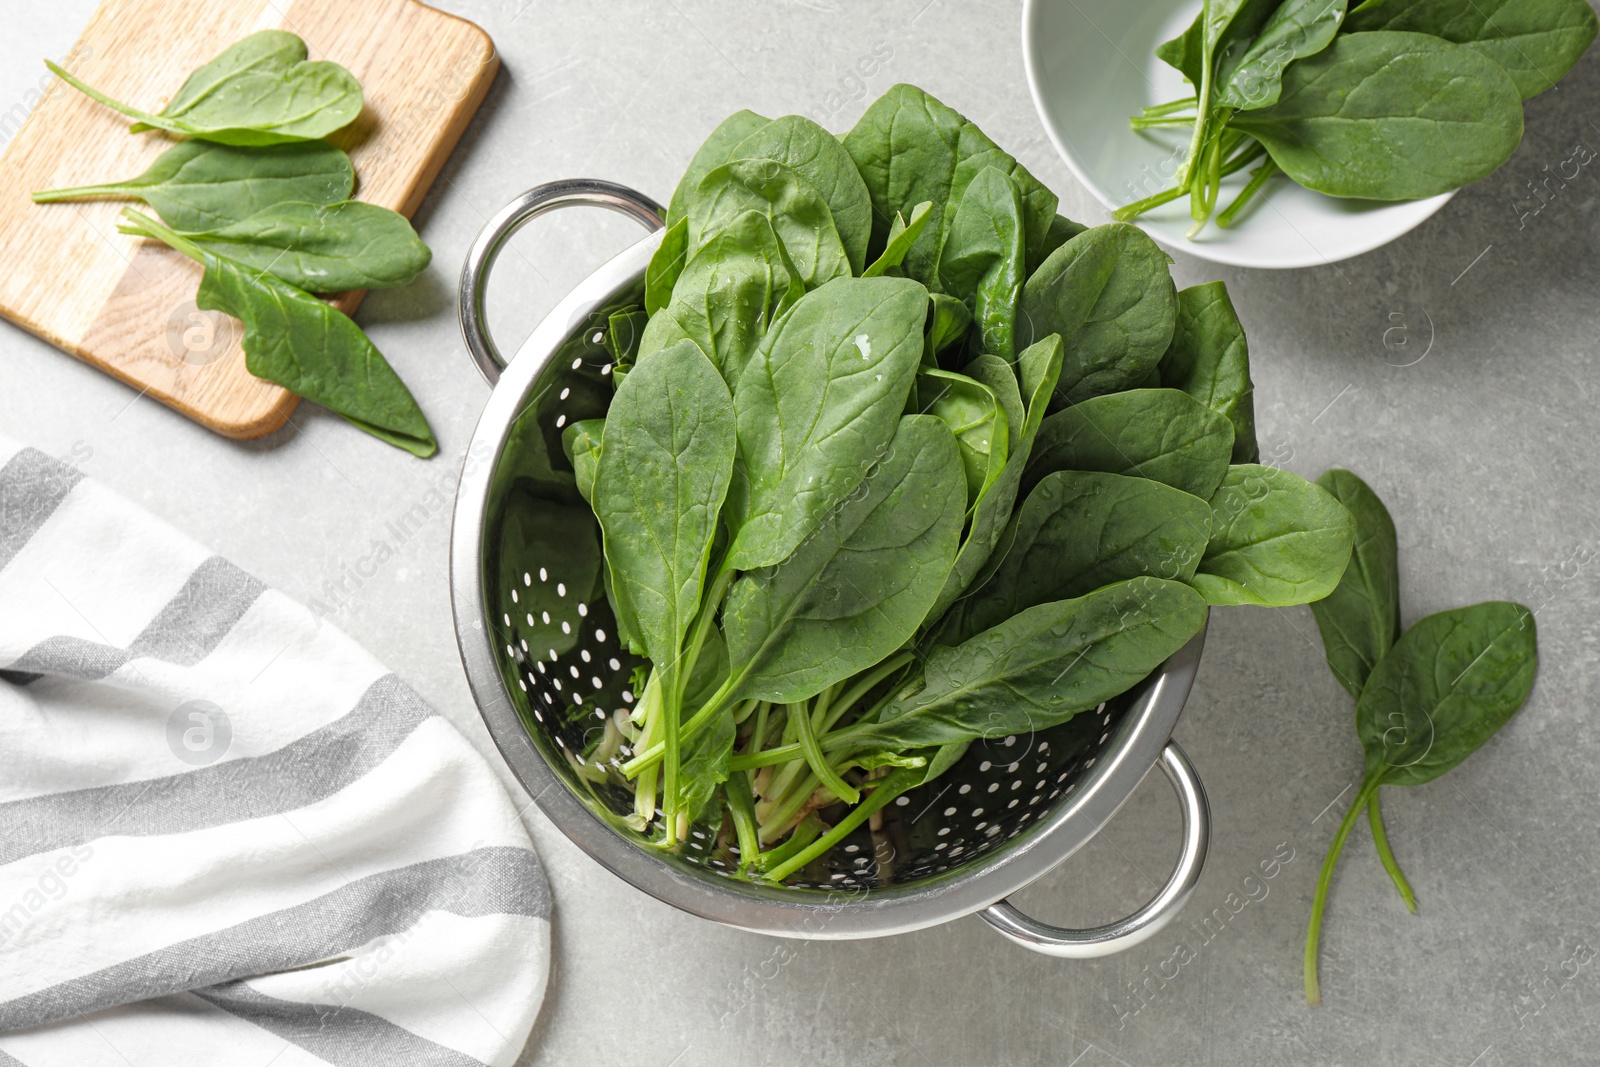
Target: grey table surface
(1479,431)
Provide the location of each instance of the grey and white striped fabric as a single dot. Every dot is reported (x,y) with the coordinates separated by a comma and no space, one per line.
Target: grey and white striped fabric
(227,834)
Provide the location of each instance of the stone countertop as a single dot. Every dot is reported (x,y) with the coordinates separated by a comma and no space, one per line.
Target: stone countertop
(1453,369)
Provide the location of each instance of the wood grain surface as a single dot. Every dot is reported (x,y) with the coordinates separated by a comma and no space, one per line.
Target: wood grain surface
(127,305)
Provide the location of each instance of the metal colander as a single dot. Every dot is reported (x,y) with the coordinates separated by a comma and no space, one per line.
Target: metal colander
(539,643)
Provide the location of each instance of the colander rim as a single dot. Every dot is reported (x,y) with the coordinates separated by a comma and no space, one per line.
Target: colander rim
(1133,750)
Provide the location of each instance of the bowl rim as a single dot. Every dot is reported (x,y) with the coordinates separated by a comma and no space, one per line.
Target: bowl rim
(1222,252)
(1135,748)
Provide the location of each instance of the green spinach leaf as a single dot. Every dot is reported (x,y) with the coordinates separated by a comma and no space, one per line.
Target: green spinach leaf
(1038,668)
(260,91)
(1536,41)
(717,150)
(1360,619)
(902,235)
(817,406)
(1109,295)
(1276,540)
(1390,116)
(1001,378)
(1250,75)
(975,415)
(305,345)
(856,589)
(948,322)
(200,185)
(1078,531)
(324,248)
(797,211)
(666,264)
(817,155)
(982,260)
(1209,359)
(1161,434)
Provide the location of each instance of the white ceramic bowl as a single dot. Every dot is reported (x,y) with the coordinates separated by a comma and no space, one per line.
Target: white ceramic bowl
(1091,64)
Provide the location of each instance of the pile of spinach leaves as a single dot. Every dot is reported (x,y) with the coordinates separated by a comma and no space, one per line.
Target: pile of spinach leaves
(1426,698)
(263,204)
(1379,99)
(902,459)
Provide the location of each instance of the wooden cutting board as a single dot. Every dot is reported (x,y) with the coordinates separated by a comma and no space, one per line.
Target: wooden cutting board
(127,305)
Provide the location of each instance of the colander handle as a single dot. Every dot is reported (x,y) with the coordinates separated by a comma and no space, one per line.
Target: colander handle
(1144,923)
(511,218)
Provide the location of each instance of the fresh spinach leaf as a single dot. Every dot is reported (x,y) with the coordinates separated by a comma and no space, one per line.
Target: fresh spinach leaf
(907,147)
(1161,434)
(624,334)
(1062,230)
(324,248)
(252,94)
(1276,540)
(1038,668)
(1387,115)
(1109,295)
(1536,41)
(948,322)
(1250,75)
(305,345)
(1001,378)
(717,150)
(856,589)
(1360,619)
(1209,359)
(201,185)
(817,406)
(982,260)
(1449,683)
(1038,368)
(1078,531)
(975,415)
(797,211)
(728,295)
(817,155)
(666,264)
(665,463)
(902,235)
(581,442)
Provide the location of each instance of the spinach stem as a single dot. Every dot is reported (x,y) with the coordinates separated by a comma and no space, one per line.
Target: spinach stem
(95,94)
(1381,838)
(803,835)
(752,760)
(1139,207)
(817,761)
(779,817)
(858,815)
(742,807)
(1169,107)
(1320,901)
(79,192)
(1142,123)
(1202,100)
(1258,179)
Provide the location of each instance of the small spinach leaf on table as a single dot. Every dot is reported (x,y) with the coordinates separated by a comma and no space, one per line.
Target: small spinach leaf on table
(665,463)
(817,155)
(1109,294)
(797,211)
(1360,619)
(1276,540)
(717,150)
(728,295)
(1251,75)
(1161,434)
(856,589)
(261,91)
(1038,668)
(1078,531)
(201,185)
(1390,116)
(1449,683)
(1209,359)
(982,260)
(1536,41)
(324,248)
(817,406)
(975,415)
(907,147)
(303,344)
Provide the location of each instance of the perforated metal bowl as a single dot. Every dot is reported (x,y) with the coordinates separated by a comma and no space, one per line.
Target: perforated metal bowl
(539,645)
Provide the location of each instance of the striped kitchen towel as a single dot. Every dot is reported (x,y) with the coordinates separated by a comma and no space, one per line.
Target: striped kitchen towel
(227,834)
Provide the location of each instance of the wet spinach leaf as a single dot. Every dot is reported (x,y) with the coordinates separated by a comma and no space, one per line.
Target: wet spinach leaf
(983,255)
(1251,74)
(902,235)
(975,415)
(797,211)
(817,155)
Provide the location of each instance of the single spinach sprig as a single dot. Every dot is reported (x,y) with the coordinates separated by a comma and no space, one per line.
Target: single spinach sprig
(1425,703)
(260,91)
(305,345)
(201,185)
